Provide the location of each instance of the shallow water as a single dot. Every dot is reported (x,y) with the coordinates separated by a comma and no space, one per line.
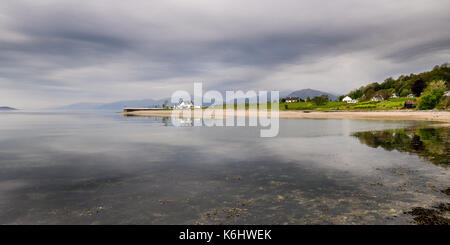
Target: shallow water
(92,168)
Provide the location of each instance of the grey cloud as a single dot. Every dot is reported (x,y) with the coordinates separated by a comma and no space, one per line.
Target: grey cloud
(76,51)
(416,51)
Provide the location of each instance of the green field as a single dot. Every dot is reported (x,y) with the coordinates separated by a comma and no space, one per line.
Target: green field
(391,104)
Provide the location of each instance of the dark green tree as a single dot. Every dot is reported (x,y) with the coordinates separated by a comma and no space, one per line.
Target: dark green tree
(320,100)
(418,86)
(429,101)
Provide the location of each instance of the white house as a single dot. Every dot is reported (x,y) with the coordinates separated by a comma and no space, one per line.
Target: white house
(377,98)
(394,96)
(185,105)
(447,93)
(292,99)
(410,96)
(347,99)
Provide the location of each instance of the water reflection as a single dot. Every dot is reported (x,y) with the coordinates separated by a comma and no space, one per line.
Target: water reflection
(430,143)
(106,169)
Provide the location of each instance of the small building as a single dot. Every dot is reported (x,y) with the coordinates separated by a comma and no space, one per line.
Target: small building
(292,99)
(394,96)
(410,104)
(447,93)
(185,105)
(347,99)
(410,96)
(377,98)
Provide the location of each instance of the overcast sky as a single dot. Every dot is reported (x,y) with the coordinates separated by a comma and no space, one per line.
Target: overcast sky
(63,52)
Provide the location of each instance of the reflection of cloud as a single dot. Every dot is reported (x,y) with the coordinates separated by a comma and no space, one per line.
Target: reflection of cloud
(70,163)
(7,186)
(335,153)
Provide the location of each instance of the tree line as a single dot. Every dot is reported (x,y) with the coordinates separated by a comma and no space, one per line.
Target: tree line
(430,86)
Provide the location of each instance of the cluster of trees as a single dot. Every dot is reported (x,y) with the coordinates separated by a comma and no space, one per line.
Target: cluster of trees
(165,105)
(433,95)
(404,85)
(318,100)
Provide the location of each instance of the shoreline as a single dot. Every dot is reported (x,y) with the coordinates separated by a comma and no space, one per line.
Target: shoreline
(439,116)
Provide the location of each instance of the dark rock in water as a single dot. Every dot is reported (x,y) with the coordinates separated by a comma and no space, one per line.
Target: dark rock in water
(446,191)
(443,207)
(425,216)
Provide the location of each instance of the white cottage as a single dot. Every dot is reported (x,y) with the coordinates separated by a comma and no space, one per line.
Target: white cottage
(186,105)
(377,98)
(347,99)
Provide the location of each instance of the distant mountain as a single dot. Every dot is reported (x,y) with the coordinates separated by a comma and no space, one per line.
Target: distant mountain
(80,106)
(113,106)
(311,93)
(131,103)
(6,108)
(119,105)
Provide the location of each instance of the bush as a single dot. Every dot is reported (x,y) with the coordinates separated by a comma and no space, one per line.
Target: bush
(405,92)
(444,104)
(365,106)
(430,100)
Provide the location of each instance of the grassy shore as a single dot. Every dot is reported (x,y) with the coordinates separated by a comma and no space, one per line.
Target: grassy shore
(391,104)
(391,109)
(442,116)
(385,105)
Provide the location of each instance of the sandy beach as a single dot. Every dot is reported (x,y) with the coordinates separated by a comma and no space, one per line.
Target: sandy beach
(441,116)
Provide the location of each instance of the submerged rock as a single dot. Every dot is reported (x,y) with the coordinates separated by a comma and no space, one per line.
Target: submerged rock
(446,191)
(435,216)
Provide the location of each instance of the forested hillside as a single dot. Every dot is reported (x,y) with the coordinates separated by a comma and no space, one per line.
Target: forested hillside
(429,86)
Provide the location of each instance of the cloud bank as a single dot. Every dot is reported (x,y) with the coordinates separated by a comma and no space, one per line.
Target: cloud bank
(62,52)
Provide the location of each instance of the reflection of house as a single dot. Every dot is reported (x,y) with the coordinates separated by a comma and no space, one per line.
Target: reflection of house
(292,99)
(410,104)
(394,96)
(377,98)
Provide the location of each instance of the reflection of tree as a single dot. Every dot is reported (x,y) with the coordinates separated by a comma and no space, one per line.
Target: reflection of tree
(416,143)
(165,121)
(430,143)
